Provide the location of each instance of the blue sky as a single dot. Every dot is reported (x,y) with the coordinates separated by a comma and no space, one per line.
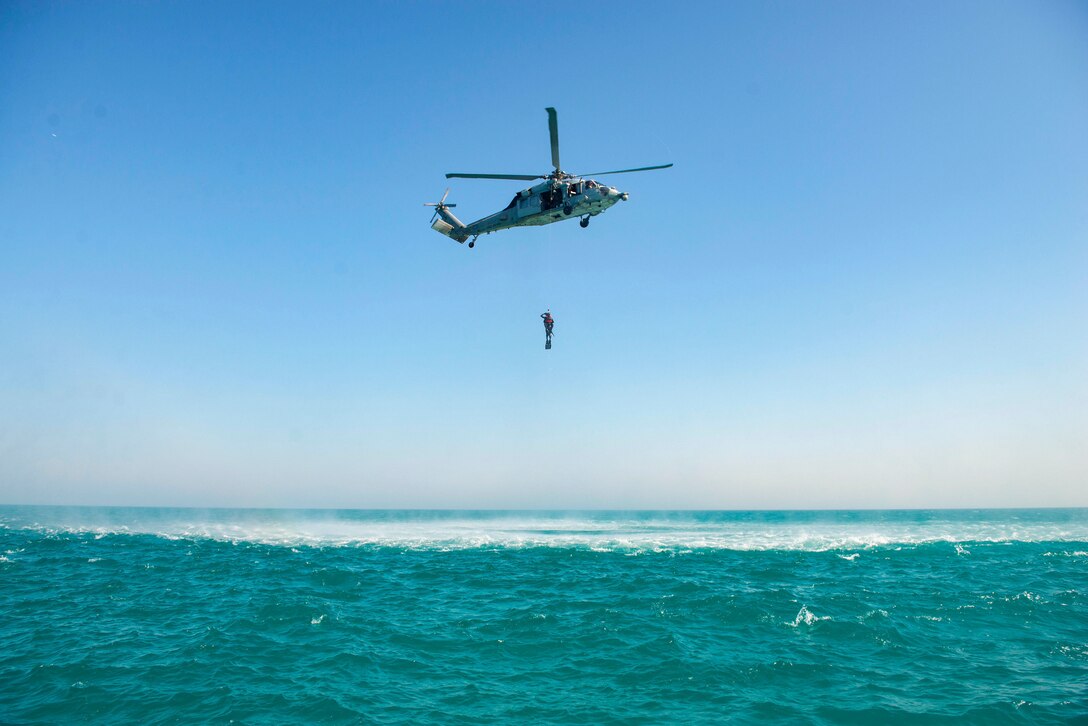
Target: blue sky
(862,285)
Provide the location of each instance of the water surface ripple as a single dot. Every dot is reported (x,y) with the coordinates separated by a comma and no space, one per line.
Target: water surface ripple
(155,616)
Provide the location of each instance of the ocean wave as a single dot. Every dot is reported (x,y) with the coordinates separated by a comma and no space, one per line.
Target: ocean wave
(674,532)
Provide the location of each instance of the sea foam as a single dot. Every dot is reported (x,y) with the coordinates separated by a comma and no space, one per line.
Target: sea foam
(599,531)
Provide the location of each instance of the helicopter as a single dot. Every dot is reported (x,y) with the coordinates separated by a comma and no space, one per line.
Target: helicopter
(558,197)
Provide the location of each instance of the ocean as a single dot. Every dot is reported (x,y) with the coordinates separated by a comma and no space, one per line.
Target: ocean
(140,615)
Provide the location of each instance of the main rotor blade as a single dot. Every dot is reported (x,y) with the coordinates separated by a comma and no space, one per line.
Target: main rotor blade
(521,177)
(553,131)
(625,171)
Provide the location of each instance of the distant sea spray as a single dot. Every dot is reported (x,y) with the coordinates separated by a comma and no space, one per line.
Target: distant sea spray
(811,531)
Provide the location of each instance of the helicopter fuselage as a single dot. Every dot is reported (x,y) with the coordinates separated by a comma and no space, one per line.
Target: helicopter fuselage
(544,203)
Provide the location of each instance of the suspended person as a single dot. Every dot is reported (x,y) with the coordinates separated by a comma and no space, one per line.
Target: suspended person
(548,323)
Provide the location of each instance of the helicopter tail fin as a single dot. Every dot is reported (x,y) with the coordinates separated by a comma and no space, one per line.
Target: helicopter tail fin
(449,230)
(450,227)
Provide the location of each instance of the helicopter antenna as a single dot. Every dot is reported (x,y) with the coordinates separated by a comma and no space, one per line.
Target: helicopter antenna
(553,131)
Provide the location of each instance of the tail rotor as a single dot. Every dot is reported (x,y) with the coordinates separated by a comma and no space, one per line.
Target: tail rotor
(439,205)
(443,221)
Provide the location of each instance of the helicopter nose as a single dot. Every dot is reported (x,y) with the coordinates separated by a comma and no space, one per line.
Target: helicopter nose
(624,196)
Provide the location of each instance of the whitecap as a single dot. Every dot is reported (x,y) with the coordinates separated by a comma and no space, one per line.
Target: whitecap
(1073,651)
(806,617)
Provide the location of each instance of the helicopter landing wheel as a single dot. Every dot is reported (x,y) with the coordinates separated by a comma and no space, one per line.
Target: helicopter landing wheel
(472,244)
(583,222)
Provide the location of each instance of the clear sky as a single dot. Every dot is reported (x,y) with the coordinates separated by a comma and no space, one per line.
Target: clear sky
(864,283)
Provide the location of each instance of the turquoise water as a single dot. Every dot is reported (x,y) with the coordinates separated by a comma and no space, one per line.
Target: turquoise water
(271,616)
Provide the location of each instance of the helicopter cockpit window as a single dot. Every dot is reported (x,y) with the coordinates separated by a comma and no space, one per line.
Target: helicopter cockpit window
(574,190)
